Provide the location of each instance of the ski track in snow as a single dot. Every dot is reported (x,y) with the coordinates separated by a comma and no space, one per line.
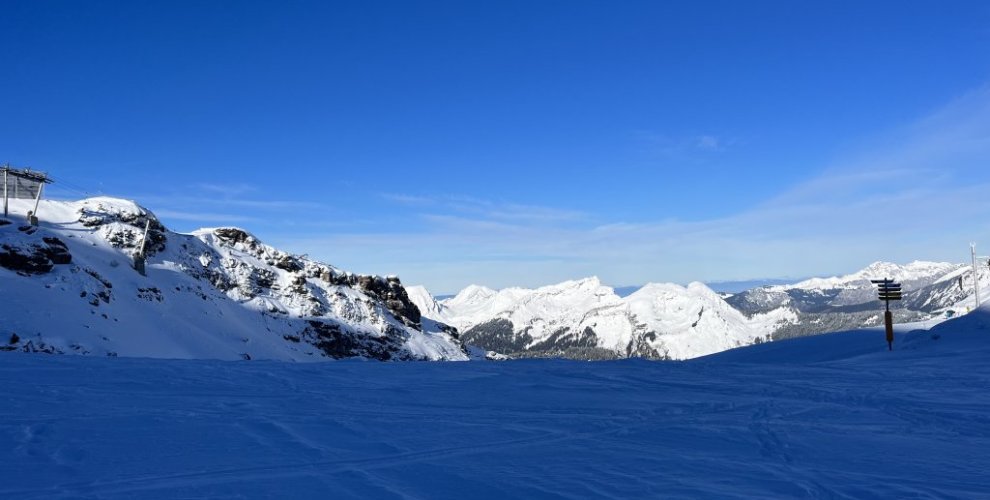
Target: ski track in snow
(757,422)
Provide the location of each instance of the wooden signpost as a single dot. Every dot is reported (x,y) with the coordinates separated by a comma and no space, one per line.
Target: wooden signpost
(888,291)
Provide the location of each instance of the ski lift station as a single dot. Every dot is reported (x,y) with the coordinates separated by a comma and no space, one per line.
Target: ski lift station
(23,184)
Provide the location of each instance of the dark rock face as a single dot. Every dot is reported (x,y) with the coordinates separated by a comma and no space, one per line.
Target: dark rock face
(56,250)
(35,257)
(391,291)
(289,263)
(449,330)
(500,336)
(35,346)
(30,262)
(639,348)
(233,236)
(337,343)
(497,335)
(564,338)
(127,237)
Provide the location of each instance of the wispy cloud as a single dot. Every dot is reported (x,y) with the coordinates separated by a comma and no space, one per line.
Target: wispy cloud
(204,216)
(202,204)
(685,147)
(408,199)
(439,206)
(708,143)
(919,192)
(227,190)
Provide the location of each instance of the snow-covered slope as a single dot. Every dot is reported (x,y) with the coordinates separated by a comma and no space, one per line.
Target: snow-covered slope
(68,286)
(834,416)
(586,319)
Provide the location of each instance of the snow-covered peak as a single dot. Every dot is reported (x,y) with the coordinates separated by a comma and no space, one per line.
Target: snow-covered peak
(658,320)
(110,206)
(912,272)
(472,294)
(584,284)
(426,303)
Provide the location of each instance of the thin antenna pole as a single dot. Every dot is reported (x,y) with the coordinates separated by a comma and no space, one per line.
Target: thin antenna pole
(976,278)
(5,169)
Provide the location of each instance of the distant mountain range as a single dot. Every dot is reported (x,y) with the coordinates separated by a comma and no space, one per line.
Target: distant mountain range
(68,286)
(587,320)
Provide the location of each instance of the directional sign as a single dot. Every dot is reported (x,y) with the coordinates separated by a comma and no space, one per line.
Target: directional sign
(887,291)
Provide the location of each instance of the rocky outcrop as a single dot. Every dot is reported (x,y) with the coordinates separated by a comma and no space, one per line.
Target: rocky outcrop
(28,253)
(215,293)
(123,225)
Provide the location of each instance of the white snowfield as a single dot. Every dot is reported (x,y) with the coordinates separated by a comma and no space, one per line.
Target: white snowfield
(215,294)
(831,416)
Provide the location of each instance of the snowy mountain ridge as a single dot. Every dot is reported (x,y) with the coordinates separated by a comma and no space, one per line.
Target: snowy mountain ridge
(68,287)
(586,319)
(660,320)
(908,273)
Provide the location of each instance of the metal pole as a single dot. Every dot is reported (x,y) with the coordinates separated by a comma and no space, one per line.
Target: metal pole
(33,219)
(139,256)
(888,324)
(37,199)
(5,169)
(976,278)
(144,238)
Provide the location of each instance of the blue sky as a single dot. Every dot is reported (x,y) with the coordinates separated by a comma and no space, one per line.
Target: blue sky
(522,143)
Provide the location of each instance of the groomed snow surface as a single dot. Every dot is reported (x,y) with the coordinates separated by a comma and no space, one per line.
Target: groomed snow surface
(834,416)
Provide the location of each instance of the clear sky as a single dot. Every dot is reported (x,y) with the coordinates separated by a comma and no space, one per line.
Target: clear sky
(522,143)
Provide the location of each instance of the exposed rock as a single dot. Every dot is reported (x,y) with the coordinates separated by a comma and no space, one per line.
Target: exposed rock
(35,257)
(390,290)
(288,263)
(57,251)
(123,226)
(497,335)
(337,343)
(233,236)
